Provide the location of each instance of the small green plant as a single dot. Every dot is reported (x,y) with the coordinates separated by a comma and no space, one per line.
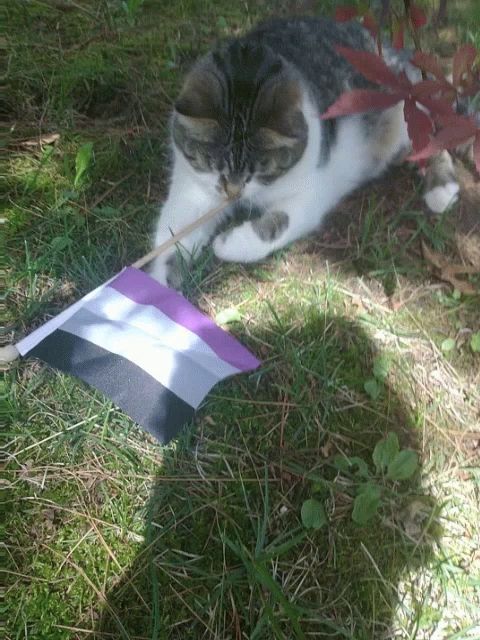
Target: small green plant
(313,514)
(83,160)
(448,345)
(374,386)
(392,464)
(366,503)
(475,342)
(449,300)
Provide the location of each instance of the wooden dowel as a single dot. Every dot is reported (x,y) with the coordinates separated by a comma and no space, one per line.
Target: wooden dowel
(181,234)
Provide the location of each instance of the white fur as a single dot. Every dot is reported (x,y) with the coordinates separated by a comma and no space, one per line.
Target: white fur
(191,195)
(306,193)
(440,198)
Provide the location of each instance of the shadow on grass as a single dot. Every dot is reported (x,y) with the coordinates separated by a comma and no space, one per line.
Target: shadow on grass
(226,554)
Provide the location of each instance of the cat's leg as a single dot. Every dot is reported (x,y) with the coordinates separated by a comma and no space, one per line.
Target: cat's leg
(280,225)
(441,186)
(391,142)
(183,206)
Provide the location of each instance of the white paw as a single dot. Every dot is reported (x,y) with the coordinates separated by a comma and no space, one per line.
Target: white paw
(221,246)
(440,198)
(159,270)
(241,244)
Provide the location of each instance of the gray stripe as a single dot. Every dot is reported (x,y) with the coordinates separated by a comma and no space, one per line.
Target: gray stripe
(174,370)
(143,398)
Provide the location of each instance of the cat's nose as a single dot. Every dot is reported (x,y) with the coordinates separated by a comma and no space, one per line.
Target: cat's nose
(233,188)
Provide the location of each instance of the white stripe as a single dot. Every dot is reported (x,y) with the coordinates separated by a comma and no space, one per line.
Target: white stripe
(31,341)
(173,369)
(116,307)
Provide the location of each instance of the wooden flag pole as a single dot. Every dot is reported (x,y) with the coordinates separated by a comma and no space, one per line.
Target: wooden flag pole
(9,353)
(181,234)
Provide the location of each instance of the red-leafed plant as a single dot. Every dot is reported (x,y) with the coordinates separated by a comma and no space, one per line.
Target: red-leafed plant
(413,17)
(429,105)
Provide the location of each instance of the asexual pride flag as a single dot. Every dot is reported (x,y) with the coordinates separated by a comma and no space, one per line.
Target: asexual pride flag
(144,346)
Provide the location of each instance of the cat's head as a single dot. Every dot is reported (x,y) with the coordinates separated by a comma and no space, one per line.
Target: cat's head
(239,117)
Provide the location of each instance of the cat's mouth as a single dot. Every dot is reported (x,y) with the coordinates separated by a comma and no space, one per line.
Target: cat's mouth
(232,188)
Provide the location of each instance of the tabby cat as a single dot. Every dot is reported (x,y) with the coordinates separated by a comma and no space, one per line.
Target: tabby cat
(247,125)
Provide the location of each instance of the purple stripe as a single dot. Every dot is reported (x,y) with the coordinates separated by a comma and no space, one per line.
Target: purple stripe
(141,288)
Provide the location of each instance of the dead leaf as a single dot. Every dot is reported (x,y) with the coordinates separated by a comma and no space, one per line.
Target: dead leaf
(444,270)
(49,138)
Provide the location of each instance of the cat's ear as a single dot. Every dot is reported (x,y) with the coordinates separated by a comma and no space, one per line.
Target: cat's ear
(271,139)
(200,129)
(199,96)
(196,114)
(279,116)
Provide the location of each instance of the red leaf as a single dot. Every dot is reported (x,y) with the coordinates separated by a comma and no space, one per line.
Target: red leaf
(455,134)
(429,63)
(454,119)
(372,67)
(370,23)
(436,106)
(448,138)
(344,14)
(398,39)
(430,150)
(417,16)
(359,101)
(462,62)
(476,151)
(427,88)
(419,125)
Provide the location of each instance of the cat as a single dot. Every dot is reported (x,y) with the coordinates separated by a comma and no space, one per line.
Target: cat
(247,125)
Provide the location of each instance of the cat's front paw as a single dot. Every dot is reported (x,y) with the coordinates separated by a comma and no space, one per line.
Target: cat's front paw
(253,240)
(167,271)
(220,246)
(238,245)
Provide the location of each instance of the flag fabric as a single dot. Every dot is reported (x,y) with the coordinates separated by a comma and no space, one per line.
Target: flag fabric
(144,346)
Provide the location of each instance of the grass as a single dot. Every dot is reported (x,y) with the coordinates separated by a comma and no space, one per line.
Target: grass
(109,535)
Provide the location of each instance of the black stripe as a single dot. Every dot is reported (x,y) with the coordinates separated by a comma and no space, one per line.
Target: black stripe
(144,399)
